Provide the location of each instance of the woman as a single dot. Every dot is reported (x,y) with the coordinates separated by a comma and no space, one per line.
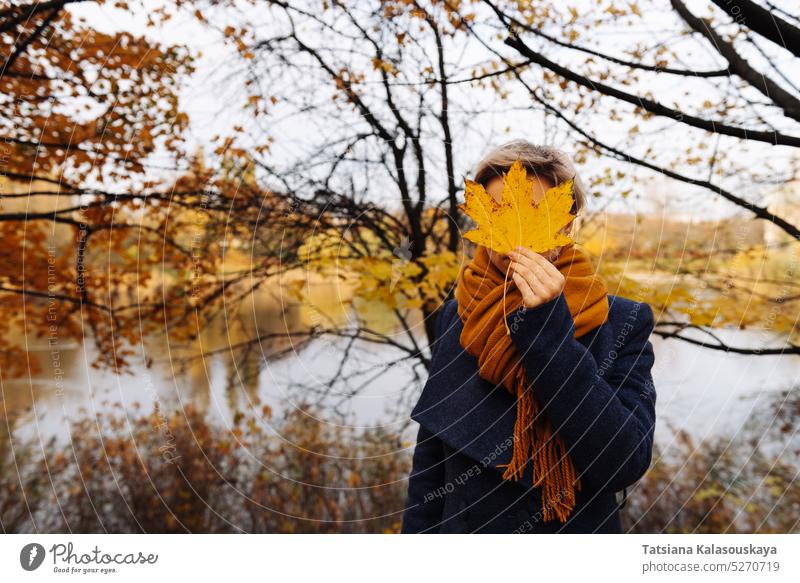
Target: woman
(535,427)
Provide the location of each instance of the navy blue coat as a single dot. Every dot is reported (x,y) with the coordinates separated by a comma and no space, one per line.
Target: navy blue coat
(597,390)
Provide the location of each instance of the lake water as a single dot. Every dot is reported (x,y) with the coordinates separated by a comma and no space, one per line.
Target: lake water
(703,391)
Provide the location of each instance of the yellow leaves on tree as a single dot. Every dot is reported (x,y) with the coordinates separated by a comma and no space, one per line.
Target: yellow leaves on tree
(517,220)
(373,273)
(406,284)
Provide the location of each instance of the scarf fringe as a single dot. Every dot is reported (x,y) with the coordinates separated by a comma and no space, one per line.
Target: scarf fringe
(553,469)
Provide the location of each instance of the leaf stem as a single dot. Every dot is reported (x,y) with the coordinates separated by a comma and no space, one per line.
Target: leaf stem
(505,288)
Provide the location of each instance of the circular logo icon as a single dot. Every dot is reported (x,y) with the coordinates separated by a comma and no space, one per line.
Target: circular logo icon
(31,556)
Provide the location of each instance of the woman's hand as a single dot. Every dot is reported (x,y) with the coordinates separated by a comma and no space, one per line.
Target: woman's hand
(537,279)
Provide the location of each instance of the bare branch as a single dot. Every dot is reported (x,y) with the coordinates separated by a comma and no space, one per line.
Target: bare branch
(764,22)
(759,81)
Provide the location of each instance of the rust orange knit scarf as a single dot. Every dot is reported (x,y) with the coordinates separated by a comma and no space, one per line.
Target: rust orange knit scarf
(479,293)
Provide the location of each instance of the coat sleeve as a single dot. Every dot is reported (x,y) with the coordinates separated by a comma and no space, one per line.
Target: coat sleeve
(605,413)
(425,499)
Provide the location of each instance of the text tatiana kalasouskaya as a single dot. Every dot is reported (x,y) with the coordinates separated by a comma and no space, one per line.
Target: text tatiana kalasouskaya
(709,550)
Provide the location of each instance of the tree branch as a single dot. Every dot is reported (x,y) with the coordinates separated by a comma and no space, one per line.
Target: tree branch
(791,349)
(654,107)
(764,22)
(759,81)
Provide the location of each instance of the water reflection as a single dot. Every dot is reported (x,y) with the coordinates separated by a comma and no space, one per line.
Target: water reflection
(253,352)
(703,391)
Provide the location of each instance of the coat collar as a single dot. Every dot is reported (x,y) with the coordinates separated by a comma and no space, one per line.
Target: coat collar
(472,415)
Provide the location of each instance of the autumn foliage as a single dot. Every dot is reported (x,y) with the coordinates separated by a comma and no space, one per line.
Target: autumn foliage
(175,472)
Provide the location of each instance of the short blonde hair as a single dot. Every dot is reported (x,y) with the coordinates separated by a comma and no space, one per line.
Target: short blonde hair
(543,161)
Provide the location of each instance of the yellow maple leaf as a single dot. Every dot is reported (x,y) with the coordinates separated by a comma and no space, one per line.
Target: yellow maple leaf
(516,220)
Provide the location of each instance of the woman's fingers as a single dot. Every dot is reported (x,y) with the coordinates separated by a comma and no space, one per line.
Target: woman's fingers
(530,274)
(539,260)
(544,278)
(529,297)
(544,288)
(542,274)
(551,270)
(534,291)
